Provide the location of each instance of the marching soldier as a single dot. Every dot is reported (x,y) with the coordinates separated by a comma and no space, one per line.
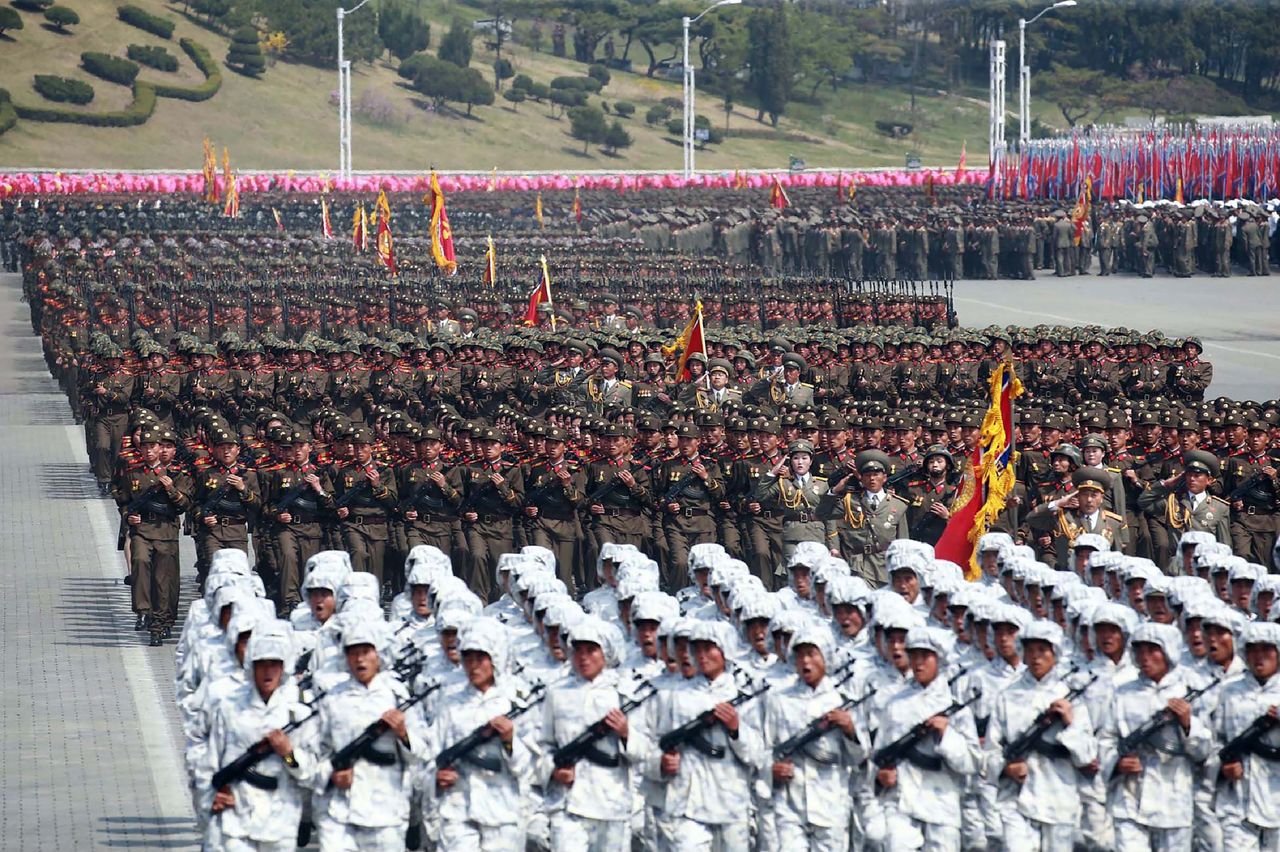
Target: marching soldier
(225,500)
(1182,503)
(152,497)
(105,398)
(553,495)
(492,494)
(1062,520)
(429,494)
(608,391)
(790,489)
(618,492)
(686,490)
(1251,485)
(364,497)
(863,518)
(293,499)
(930,495)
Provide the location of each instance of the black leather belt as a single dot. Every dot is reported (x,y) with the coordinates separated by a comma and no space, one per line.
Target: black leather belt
(153,518)
(800,517)
(360,522)
(621,513)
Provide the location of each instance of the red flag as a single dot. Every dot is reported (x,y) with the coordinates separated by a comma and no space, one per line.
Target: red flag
(954,544)
(577,207)
(960,165)
(441,233)
(987,476)
(539,296)
(275,214)
(840,186)
(326,227)
(691,340)
(778,196)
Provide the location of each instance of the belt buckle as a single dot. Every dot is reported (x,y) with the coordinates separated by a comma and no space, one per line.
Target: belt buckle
(688,513)
(1250,510)
(805,518)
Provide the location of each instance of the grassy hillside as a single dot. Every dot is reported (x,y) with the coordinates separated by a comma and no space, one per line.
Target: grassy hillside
(285,119)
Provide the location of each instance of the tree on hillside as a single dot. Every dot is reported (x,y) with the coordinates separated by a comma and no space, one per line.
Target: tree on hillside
(586,124)
(616,138)
(61,17)
(502,70)
(211,9)
(245,54)
(402,31)
(455,47)
(1078,93)
(771,56)
(9,19)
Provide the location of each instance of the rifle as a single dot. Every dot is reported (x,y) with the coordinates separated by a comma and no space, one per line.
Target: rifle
(448,758)
(688,733)
(818,728)
(291,496)
(242,766)
(133,507)
(362,745)
(1029,740)
(1249,741)
(351,494)
(1247,486)
(1130,742)
(901,476)
(673,492)
(904,747)
(584,744)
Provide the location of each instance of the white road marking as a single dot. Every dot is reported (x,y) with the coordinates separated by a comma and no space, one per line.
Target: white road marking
(151,690)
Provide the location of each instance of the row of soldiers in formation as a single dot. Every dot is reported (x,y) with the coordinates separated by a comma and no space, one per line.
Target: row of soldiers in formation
(974,241)
(757,486)
(1106,705)
(883,234)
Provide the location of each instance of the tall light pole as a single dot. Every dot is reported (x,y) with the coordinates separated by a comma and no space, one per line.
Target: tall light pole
(688,85)
(344,98)
(1024,72)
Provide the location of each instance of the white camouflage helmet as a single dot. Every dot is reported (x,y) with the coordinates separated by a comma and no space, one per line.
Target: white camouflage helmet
(925,638)
(1164,636)
(271,640)
(488,636)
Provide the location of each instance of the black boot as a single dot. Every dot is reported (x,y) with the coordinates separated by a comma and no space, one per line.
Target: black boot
(304,833)
(156,640)
(413,837)
(139,623)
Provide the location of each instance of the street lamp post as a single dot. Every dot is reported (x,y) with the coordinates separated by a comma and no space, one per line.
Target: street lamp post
(344,98)
(1024,72)
(689,87)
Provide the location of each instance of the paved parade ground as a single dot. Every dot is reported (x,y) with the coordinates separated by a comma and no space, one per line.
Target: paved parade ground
(91,751)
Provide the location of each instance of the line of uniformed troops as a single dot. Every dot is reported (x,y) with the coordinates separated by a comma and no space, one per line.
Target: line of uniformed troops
(1105,705)
(558,474)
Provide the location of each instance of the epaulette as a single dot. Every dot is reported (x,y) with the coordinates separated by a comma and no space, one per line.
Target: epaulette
(1219,499)
(625,383)
(1112,515)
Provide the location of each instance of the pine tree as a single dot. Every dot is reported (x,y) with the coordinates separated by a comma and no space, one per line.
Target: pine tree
(245,54)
